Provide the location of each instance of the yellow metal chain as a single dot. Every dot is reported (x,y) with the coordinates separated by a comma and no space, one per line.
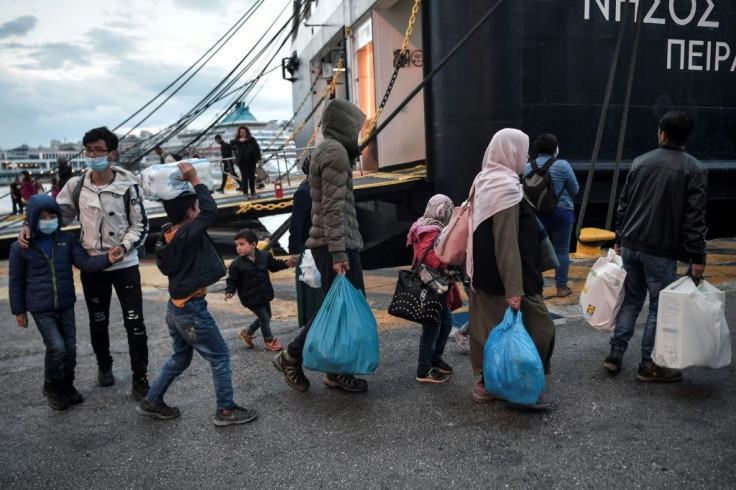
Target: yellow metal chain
(404,46)
(244,207)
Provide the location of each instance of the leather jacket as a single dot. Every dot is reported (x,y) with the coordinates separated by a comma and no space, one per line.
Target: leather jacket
(662,206)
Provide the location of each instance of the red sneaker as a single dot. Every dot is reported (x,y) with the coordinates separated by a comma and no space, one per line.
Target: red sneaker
(273,345)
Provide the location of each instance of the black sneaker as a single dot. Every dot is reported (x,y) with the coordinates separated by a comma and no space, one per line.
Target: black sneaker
(72,395)
(237,415)
(650,372)
(293,372)
(140,387)
(613,362)
(105,377)
(346,382)
(442,367)
(55,395)
(433,376)
(158,410)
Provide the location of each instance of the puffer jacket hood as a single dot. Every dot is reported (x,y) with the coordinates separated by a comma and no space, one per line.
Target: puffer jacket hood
(37,204)
(341,121)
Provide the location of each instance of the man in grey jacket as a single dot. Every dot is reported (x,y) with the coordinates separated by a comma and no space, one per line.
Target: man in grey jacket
(661,218)
(334,237)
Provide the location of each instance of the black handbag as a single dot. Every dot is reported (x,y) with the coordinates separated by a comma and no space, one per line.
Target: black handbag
(415,301)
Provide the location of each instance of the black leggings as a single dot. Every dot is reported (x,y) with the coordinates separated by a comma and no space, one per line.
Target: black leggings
(248,174)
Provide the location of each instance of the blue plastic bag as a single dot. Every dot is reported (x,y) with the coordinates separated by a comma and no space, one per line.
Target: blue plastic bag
(512,368)
(343,338)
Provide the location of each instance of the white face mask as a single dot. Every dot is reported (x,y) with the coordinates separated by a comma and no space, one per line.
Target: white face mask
(557,152)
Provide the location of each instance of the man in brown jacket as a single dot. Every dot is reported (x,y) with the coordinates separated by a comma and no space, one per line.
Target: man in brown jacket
(334,238)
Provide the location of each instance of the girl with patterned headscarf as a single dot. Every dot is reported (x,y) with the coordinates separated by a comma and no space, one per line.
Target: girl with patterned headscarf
(431,367)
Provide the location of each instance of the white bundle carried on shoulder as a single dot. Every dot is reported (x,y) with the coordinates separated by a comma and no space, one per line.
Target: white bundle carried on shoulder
(310,274)
(603,293)
(160,181)
(691,326)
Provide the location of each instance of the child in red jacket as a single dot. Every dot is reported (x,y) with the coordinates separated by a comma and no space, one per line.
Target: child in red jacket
(431,368)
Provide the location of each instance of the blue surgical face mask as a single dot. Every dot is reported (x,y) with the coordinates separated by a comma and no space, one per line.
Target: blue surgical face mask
(98,164)
(47,227)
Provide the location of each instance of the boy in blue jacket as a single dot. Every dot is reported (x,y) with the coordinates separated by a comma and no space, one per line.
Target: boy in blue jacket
(186,255)
(42,282)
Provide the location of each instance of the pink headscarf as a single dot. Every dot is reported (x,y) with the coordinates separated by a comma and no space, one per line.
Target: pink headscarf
(497,186)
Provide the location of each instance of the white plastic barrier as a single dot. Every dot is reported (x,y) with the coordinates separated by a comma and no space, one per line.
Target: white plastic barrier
(691,326)
(603,293)
(160,181)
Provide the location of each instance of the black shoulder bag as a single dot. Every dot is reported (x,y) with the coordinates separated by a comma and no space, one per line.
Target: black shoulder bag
(414,300)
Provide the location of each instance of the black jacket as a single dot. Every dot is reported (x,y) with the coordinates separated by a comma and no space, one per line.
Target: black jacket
(225,150)
(301,219)
(250,278)
(662,206)
(246,152)
(190,260)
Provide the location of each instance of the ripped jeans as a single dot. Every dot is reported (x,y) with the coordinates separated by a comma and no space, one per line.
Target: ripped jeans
(97,294)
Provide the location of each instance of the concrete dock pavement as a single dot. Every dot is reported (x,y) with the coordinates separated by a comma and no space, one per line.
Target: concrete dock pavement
(603,430)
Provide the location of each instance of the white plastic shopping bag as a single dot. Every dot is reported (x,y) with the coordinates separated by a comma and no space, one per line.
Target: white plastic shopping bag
(160,181)
(603,293)
(691,326)
(310,274)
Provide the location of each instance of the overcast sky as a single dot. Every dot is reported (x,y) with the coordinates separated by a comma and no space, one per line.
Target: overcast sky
(71,65)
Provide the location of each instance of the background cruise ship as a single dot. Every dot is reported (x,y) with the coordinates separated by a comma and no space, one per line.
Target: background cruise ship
(279,155)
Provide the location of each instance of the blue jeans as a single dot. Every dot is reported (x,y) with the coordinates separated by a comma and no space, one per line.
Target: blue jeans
(193,328)
(263,321)
(560,238)
(432,342)
(644,273)
(59,333)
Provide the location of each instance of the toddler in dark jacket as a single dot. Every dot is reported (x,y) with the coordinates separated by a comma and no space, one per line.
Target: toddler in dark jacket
(42,282)
(248,275)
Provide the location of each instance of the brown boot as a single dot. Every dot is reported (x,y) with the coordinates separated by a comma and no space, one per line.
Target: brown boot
(563,291)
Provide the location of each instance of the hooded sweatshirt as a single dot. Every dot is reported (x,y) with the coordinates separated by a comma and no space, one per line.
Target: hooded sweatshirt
(334,222)
(41,281)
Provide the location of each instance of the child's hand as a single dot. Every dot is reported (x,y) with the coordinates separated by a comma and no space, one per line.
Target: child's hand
(228,296)
(291,261)
(22,320)
(115,254)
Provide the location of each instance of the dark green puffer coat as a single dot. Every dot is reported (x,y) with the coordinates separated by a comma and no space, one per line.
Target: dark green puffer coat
(331,181)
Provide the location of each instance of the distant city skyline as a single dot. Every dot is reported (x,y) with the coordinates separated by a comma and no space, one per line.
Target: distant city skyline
(66,67)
